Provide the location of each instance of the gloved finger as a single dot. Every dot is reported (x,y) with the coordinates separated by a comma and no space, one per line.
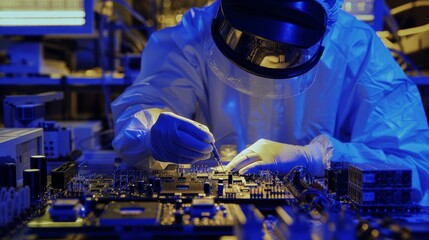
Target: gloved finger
(199,130)
(196,129)
(243,159)
(188,141)
(256,167)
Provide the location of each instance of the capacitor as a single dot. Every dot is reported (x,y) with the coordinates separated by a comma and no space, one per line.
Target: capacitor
(152,180)
(149,190)
(220,189)
(8,175)
(178,217)
(178,204)
(141,187)
(206,188)
(40,162)
(32,180)
(157,186)
(131,188)
(230,179)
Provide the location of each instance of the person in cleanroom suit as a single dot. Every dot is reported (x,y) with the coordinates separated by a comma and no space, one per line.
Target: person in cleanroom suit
(288,82)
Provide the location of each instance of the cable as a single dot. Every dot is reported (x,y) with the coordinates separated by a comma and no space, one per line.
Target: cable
(299,168)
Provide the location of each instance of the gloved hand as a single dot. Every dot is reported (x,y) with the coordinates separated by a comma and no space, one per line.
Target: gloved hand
(277,157)
(274,62)
(177,139)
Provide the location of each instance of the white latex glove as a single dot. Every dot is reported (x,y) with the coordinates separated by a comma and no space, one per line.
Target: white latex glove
(278,157)
(276,62)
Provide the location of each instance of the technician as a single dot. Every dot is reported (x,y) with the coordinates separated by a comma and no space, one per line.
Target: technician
(288,82)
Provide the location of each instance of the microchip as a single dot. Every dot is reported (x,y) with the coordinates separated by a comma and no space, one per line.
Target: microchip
(65,210)
(131,214)
(202,207)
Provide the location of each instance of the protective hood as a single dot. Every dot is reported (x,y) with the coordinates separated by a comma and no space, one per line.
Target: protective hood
(274,46)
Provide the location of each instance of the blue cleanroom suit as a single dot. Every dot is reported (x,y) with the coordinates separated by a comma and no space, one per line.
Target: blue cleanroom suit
(361,106)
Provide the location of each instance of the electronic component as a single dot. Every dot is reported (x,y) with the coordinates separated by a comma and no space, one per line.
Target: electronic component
(39,162)
(201,218)
(380,187)
(32,180)
(57,140)
(185,188)
(20,144)
(202,207)
(131,214)
(65,210)
(8,173)
(62,174)
(379,175)
(337,178)
(195,203)
(379,196)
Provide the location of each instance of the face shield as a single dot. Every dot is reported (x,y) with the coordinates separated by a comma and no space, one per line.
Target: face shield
(279,61)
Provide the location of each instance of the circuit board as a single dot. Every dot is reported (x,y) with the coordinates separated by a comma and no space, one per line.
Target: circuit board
(202,203)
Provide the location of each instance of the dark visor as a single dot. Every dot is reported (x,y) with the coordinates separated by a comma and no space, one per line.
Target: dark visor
(260,56)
